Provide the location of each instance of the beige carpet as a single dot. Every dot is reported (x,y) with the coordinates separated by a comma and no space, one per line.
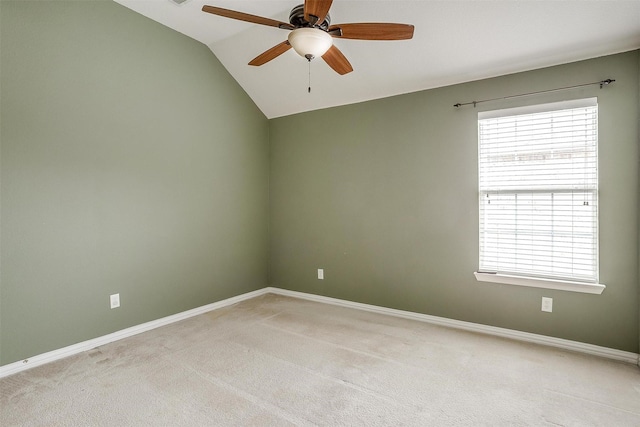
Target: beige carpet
(282,361)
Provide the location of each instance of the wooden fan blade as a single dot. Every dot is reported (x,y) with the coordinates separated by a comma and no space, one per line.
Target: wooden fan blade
(316,10)
(270,54)
(372,31)
(227,13)
(336,60)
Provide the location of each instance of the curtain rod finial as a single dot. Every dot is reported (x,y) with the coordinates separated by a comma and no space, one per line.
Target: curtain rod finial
(606,82)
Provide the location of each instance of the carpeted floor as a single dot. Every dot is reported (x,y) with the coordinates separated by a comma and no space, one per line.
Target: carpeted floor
(275,360)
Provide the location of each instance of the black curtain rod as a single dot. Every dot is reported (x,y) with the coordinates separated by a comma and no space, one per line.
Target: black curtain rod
(601,83)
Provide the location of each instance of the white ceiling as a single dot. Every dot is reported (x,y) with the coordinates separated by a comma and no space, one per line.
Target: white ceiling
(455,41)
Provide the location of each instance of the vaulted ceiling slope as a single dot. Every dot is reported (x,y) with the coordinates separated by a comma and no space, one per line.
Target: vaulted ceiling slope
(454,41)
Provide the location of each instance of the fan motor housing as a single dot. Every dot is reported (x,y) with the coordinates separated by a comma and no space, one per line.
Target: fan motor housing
(296,18)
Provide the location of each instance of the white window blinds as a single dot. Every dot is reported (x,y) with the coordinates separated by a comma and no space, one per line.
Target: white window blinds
(538,191)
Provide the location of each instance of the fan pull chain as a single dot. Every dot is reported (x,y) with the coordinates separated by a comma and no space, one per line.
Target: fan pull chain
(309,89)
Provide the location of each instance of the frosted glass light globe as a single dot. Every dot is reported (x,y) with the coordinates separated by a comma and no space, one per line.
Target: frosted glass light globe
(310,42)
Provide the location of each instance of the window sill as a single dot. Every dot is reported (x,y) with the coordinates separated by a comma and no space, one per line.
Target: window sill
(563,285)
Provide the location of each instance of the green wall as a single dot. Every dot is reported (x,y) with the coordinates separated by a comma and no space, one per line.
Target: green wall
(383,196)
(132,163)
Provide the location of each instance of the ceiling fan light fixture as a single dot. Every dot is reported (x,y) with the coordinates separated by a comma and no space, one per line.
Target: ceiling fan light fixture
(310,42)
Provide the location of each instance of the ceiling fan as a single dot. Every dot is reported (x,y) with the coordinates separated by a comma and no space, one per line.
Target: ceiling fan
(312,33)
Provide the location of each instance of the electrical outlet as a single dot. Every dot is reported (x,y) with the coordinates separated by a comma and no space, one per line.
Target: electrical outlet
(547,304)
(115,300)
(320,274)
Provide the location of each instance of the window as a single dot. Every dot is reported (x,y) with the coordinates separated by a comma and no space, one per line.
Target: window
(538,195)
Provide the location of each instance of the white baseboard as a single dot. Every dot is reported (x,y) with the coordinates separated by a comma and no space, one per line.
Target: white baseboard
(595,350)
(51,356)
(61,353)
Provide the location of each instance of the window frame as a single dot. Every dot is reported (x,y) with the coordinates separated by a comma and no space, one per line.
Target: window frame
(537,281)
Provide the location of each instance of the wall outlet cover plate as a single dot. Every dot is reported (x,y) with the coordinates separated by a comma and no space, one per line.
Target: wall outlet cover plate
(115,300)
